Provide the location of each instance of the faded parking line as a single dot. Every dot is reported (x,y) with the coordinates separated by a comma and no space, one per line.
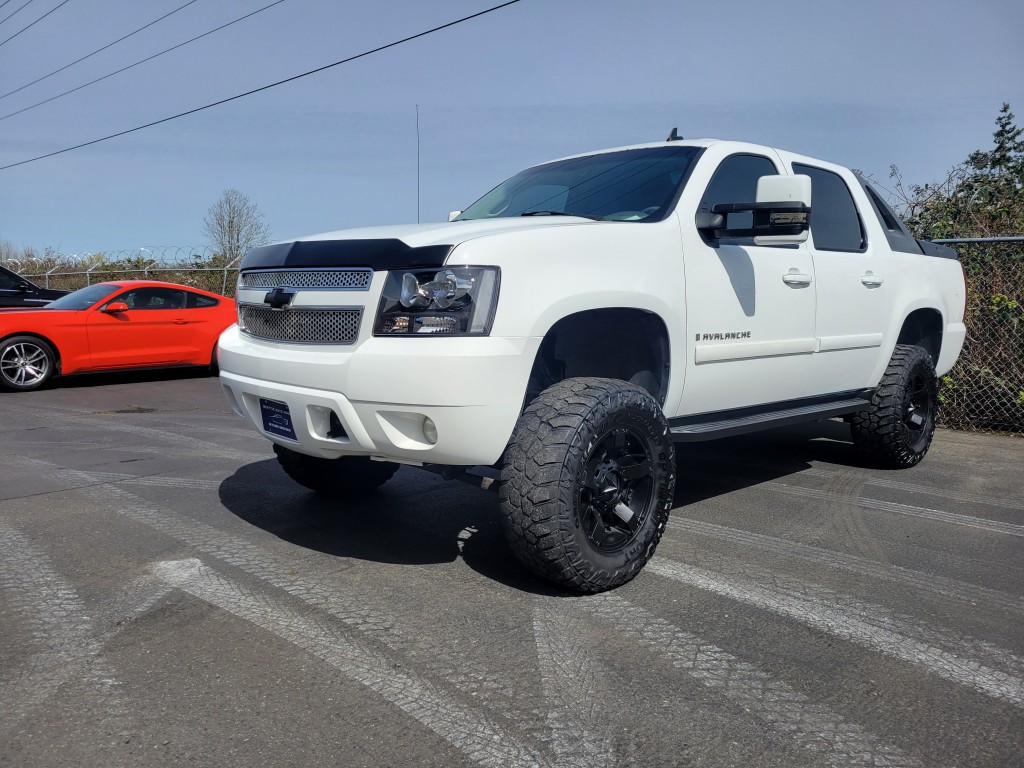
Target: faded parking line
(65,647)
(479,737)
(836,619)
(960,591)
(814,726)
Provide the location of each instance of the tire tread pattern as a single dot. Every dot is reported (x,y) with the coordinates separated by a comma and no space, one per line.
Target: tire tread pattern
(878,433)
(537,494)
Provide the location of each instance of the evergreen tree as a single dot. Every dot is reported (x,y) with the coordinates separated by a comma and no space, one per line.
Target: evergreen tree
(981,197)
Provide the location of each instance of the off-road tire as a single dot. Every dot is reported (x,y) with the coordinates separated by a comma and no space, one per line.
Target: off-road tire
(895,432)
(338,478)
(26,363)
(576,438)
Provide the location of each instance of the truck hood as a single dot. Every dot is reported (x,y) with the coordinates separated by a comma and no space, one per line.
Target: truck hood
(447,232)
(395,247)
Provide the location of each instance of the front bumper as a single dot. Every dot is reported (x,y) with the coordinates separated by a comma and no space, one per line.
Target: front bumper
(382,390)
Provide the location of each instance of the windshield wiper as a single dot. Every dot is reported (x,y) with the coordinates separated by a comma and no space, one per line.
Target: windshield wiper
(559,213)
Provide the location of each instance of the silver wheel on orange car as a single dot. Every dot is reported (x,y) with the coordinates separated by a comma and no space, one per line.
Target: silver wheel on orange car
(26,363)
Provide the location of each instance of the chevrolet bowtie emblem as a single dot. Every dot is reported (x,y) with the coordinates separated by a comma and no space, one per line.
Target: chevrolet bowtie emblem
(279,298)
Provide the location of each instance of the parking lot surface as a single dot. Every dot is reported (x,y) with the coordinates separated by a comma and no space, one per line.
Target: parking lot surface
(169,597)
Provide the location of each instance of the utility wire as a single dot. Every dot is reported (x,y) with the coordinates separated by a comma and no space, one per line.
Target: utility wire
(5,2)
(137,63)
(98,50)
(5,42)
(378,49)
(5,18)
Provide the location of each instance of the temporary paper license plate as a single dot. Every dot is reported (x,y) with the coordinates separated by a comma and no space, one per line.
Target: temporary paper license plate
(276,419)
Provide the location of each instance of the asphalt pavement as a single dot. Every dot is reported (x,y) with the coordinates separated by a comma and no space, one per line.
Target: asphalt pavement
(169,597)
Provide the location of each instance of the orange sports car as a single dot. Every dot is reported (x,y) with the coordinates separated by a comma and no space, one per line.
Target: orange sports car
(112,326)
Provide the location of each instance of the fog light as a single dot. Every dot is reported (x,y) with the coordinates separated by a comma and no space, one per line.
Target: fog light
(429,430)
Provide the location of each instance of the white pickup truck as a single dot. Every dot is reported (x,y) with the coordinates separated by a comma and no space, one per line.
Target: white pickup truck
(581,317)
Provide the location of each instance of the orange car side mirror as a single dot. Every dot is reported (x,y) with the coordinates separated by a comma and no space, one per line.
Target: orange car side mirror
(116,306)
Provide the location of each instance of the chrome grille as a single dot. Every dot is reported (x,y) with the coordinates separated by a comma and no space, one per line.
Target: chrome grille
(339,279)
(301,325)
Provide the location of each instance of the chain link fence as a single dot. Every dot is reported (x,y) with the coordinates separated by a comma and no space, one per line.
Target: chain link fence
(985,390)
(198,267)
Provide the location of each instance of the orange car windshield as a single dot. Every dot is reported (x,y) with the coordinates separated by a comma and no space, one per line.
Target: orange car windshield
(84,297)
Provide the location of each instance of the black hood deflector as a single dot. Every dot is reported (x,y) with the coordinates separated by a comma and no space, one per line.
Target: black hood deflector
(380,255)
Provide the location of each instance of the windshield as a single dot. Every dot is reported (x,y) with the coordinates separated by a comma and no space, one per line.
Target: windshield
(629,185)
(84,298)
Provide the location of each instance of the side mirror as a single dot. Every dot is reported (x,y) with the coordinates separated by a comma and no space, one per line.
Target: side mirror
(781,214)
(116,306)
(24,287)
(454,215)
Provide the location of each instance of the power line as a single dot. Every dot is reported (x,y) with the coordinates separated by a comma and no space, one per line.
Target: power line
(266,87)
(98,50)
(137,63)
(13,13)
(33,23)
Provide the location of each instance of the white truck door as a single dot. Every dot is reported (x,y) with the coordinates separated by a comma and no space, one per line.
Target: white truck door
(749,308)
(850,272)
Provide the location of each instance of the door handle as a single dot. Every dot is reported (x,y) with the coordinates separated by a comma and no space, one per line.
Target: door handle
(796,278)
(180,321)
(871,280)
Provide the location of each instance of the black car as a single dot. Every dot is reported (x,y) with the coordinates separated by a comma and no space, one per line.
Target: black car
(16,291)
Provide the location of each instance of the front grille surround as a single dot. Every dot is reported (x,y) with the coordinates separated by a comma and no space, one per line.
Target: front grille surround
(348,279)
(301,325)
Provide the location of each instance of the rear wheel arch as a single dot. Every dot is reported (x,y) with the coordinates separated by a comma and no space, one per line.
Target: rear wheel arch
(621,343)
(923,328)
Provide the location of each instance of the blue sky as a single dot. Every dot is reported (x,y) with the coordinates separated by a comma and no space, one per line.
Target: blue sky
(866,84)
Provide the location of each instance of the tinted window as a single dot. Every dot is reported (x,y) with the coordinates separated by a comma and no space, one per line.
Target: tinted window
(9,281)
(197,301)
(735,181)
(154,298)
(885,214)
(630,185)
(835,224)
(895,231)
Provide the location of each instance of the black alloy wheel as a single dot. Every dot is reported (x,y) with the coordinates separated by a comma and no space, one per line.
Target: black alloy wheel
(919,408)
(616,490)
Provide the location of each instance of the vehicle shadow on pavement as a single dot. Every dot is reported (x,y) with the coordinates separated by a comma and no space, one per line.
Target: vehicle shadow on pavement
(128,377)
(417,518)
(715,468)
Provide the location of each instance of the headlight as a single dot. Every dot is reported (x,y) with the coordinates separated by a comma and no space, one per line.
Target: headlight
(454,301)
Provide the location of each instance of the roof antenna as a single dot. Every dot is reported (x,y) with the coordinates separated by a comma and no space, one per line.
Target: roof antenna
(674,136)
